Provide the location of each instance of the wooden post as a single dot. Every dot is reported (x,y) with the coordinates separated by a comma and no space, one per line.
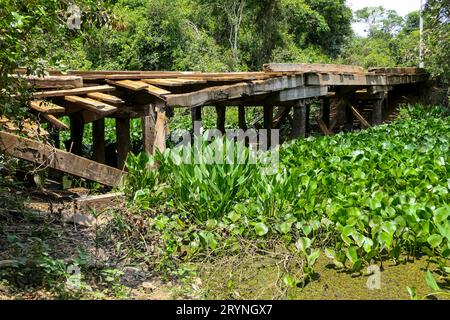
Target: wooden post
(326,111)
(241,115)
(161,128)
(299,122)
(76,134)
(221,114)
(377,115)
(98,132)
(148,130)
(308,113)
(268,123)
(54,134)
(123,141)
(196,114)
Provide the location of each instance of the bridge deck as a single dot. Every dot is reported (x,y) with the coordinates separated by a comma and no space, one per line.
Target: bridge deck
(92,96)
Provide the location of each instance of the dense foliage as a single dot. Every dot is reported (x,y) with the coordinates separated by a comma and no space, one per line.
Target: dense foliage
(374,195)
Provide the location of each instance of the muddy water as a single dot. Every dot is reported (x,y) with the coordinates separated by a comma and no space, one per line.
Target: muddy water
(262,278)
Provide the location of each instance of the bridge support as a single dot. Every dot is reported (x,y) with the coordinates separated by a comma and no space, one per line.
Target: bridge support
(123,141)
(300,121)
(98,140)
(76,134)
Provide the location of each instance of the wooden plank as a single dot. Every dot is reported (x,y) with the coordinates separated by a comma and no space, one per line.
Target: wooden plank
(236,91)
(174,82)
(129,84)
(156,91)
(123,141)
(43,106)
(401,70)
(360,118)
(77,91)
(55,122)
(312,67)
(299,93)
(53,82)
(46,155)
(105,98)
(92,105)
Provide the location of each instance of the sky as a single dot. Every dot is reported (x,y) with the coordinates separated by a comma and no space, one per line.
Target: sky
(403,7)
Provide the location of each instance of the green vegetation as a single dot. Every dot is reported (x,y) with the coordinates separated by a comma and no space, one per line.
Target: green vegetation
(359,198)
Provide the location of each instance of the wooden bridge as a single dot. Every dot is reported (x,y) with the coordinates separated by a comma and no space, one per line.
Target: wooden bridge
(348,97)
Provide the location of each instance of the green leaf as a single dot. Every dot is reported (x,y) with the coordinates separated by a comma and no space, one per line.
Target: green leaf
(431,282)
(261,229)
(285,227)
(312,258)
(435,240)
(441,214)
(303,244)
(352,254)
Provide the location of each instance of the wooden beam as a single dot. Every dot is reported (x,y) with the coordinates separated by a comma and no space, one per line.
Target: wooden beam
(53,82)
(281,116)
(160,130)
(105,98)
(46,107)
(55,122)
(77,91)
(236,91)
(174,82)
(123,141)
(221,115)
(46,155)
(312,67)
(76,133)
(196,116)
(299,121)
(241,117)
(348,79)
(361,119)
(98,141)
(148,130)
(92,105)
(323,127)
(377,115)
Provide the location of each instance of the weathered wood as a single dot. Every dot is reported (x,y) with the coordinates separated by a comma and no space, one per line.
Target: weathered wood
(160,130)
(174,82)
(236,91)
(361,119)
(89,116)
(241,118)
(123,141)
(221,118)
(46,107)
(53,82)
(299,93)
(98,141)
(105,98)
(314,67)
(323,127)
(55,122)
(130,84)
(299,121)
(281,116)
(92,105)
(77,91)
(351,79)
(377,115)
(46,155)
(399,71)
(76,133)
(148,130)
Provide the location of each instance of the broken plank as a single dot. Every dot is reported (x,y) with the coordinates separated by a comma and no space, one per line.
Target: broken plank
(77,91)
(361,119)
(44,154)
(105,97)
(221,93)
(55,122)
(46,107)
(92,105)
